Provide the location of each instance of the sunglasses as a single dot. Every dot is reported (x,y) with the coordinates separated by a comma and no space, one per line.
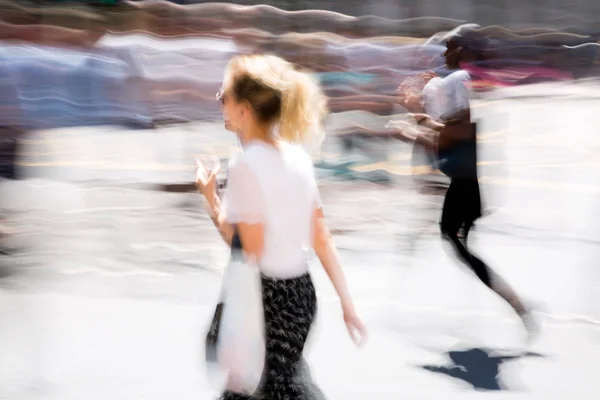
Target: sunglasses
(221,96)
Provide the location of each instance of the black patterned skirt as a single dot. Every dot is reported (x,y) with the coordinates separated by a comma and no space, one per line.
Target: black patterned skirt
(290,306)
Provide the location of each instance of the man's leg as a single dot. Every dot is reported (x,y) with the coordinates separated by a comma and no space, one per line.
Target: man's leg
(456,206)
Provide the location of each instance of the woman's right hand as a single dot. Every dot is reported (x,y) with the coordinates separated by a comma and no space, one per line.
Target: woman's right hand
(355,326)
(206,177)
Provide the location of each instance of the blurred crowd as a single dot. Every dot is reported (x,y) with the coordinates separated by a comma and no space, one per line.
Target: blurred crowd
(147,63)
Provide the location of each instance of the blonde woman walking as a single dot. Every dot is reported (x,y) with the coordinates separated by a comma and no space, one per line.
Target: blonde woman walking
(272,203)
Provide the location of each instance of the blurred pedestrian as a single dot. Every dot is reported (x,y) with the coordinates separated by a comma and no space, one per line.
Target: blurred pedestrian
(273,204)
(13,130)
(456,149)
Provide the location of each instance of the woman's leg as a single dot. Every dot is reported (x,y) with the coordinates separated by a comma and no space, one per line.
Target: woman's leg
(290,307)
(234,396)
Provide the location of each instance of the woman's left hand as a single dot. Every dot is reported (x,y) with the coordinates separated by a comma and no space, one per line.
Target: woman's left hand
(206,177)
(355,326)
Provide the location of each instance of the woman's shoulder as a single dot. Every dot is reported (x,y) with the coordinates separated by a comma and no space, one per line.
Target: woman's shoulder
(298,154)
(252,154)
(240,163)
(235,160)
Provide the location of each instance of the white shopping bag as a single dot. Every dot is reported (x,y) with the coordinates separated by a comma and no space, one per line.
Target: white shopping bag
(240,347)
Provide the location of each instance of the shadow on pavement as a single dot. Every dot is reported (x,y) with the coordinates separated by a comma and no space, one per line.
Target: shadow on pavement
(478,367)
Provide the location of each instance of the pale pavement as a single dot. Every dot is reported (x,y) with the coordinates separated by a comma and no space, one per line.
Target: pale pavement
(112,291)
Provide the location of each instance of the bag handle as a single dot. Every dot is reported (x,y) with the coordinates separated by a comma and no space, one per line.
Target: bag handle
(237,249)
(236,240)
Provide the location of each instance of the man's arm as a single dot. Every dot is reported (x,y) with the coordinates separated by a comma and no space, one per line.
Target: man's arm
(456,128)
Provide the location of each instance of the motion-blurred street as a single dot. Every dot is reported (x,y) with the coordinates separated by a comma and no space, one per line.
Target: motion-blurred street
(110,279)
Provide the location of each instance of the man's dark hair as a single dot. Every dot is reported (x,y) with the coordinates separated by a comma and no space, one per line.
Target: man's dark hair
(469,38)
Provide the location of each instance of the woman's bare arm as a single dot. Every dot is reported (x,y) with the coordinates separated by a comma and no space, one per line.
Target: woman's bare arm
(328,256)
(218,218)
(252,237)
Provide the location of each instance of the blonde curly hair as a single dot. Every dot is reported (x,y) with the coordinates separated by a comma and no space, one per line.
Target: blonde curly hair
(279,94)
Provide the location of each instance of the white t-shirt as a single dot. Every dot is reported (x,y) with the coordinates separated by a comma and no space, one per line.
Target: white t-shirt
(433,98)
(276,187)
(445,97)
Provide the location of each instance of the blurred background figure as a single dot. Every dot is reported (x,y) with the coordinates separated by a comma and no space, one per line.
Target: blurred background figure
(456,150)
(12,130)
